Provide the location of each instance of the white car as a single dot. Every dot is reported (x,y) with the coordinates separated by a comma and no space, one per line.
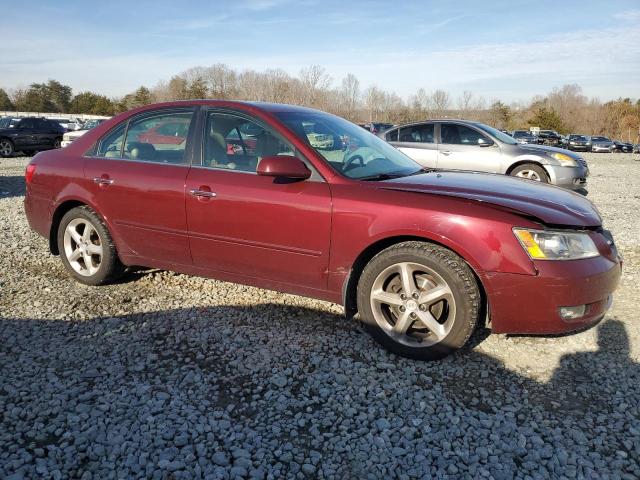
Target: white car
(68,124)
(69,137)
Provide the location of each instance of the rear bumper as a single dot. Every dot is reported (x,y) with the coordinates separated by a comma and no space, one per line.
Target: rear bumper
(37,211)
(523,304)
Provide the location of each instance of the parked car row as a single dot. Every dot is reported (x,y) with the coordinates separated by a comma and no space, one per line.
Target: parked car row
(32,134)
(596,143)
(573,141)
(29,134)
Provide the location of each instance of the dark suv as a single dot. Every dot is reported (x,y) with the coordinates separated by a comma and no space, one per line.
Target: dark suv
(29,135)
(549,137)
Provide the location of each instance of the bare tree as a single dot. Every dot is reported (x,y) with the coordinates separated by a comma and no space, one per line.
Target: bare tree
(350,95)
(440,100)
(221,81)
(465,102)
(314,80)
(373,100)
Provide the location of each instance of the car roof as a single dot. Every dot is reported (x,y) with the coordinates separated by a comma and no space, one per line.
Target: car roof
(265,106)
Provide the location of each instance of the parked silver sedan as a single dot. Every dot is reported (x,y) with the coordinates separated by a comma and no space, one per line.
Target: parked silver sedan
(466,145)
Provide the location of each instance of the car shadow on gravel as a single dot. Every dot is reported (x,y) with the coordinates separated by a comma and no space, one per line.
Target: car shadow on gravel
(12,186)
(271,369)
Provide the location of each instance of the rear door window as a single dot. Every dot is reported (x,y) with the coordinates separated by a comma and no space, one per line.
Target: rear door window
(392,136)
(158,137)
(111,144)
(417,133)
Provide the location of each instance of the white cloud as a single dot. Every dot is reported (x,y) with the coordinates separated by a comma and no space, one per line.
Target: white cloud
(628,15)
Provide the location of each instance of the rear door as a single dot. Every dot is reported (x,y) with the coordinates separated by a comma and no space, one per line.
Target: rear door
(47,132)
(255,226)
(26,134)
(463,147)
(139,186)
(417,142)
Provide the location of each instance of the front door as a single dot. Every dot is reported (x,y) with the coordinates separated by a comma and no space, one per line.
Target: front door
(138,186)
(254,226)
(462,147)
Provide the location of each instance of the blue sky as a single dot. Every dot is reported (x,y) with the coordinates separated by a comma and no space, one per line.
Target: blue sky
(501,49)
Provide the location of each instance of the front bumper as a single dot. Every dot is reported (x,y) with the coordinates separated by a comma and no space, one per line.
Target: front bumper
(600,149)
(572,178)
(580,148)
(66,143)
(530,304)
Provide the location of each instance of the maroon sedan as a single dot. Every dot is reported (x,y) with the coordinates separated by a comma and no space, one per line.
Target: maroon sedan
(421,256)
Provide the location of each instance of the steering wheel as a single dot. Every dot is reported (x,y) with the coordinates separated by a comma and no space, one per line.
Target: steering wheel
(349,163)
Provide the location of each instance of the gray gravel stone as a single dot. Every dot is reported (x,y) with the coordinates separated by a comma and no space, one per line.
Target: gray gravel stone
(170,376)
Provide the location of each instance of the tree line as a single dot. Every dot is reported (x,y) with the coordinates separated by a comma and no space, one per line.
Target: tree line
(565,109)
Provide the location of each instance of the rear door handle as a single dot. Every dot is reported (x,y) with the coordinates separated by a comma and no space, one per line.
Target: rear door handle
(445,152)
(102,181)
(202,193)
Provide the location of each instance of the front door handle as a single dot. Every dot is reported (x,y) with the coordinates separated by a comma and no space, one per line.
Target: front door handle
(202,193)
(102,181)
(446,152)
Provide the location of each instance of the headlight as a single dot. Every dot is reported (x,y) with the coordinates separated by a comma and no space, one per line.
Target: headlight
(572,143)
(553,245)
(565,160)
(65,137)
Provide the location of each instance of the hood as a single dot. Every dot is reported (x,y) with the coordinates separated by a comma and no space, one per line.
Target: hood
(546,203)
(541,149)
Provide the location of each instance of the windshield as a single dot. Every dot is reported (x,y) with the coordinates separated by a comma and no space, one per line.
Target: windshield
(503,137)
(347,148)
(600,139)
(578,137)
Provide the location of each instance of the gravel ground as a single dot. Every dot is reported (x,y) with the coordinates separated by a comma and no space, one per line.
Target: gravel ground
(169,376)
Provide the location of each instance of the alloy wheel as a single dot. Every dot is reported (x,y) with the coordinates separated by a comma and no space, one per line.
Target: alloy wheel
(6,148)
(413,304)
(529,174)
(83,247)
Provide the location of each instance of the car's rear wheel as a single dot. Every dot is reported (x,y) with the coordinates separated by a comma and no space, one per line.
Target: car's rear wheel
(531,171)
(86,248)
(419,300)
(57,143)
(6,147)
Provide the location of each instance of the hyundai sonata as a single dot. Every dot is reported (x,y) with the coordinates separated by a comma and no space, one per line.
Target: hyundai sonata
(420,256)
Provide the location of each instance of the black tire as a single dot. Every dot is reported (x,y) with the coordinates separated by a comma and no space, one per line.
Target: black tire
(452,269)
(7,148)
(544,178)
(110,268)
(57,143)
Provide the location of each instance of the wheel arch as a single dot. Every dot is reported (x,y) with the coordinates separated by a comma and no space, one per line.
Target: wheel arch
(350,287)
(515,165)
(56,218)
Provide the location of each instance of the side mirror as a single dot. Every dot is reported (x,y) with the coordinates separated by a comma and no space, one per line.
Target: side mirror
(483,142)
(284,166)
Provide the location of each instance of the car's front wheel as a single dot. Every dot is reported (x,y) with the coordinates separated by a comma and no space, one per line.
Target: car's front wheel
(86,248)
(531,171)
(419,300)
(6,148)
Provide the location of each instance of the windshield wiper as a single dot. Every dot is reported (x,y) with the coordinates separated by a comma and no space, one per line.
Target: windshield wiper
(382,176)
(422,170)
